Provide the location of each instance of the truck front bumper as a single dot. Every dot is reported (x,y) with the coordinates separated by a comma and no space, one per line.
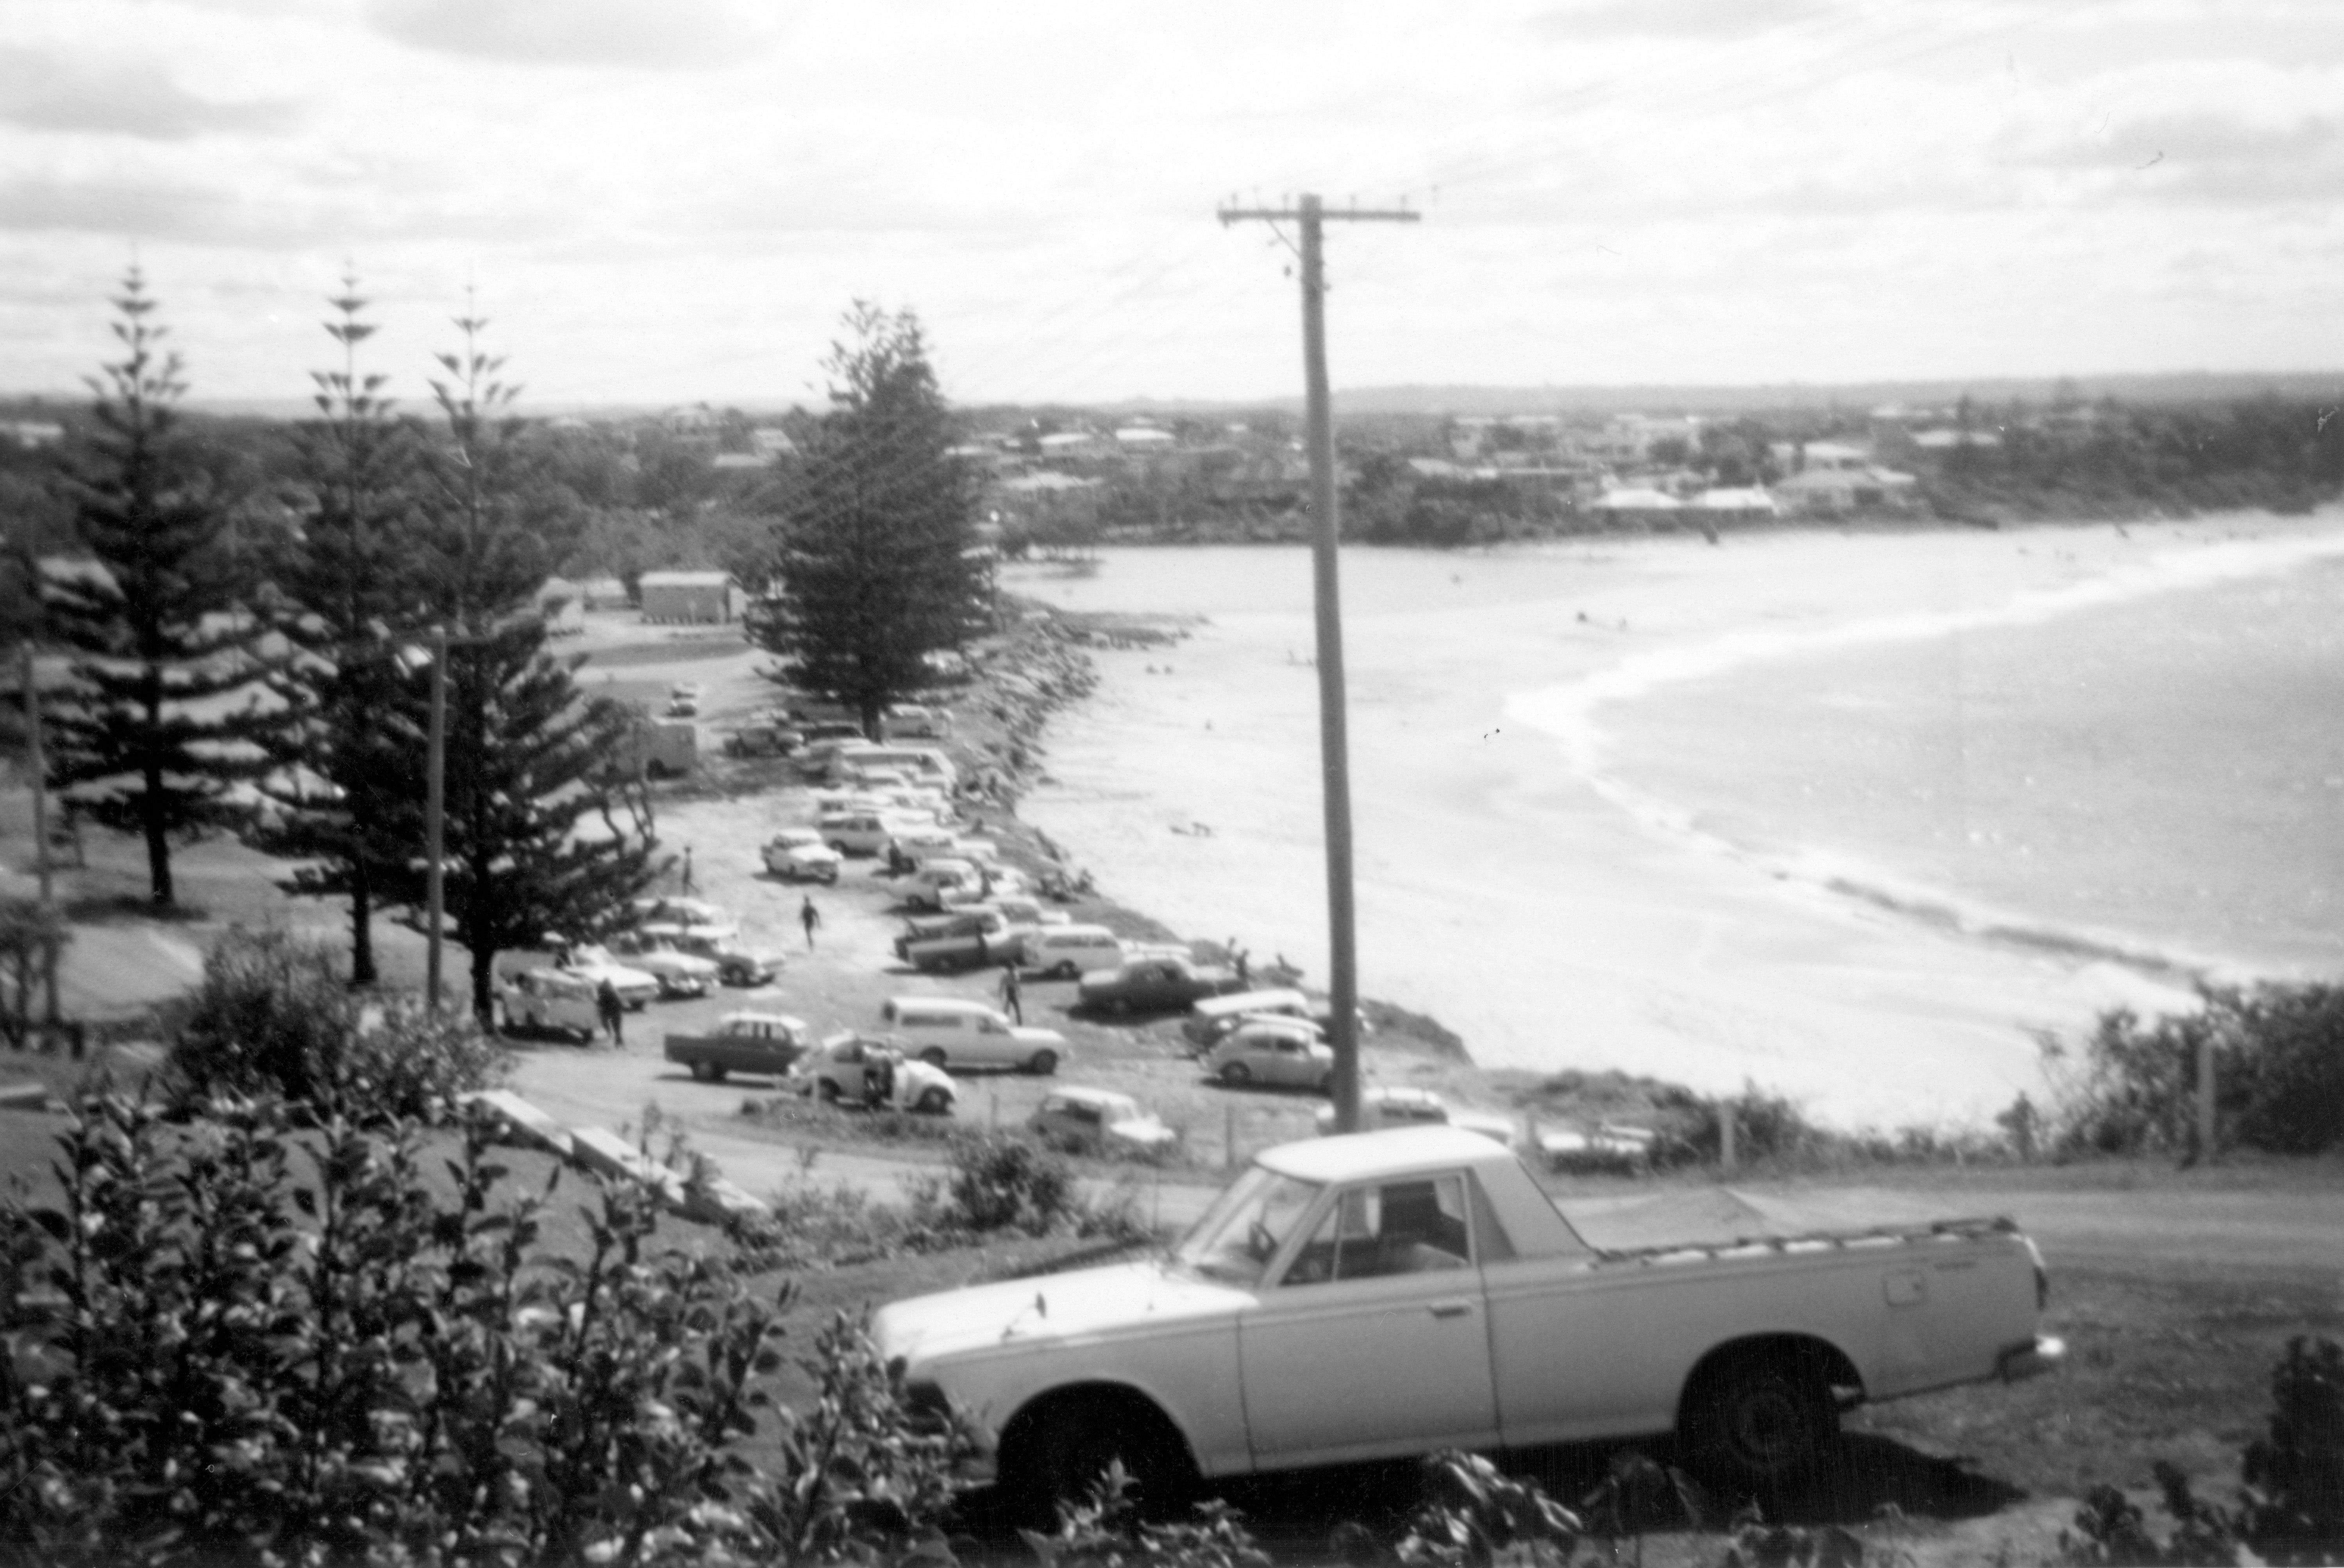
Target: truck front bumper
(2032,1360)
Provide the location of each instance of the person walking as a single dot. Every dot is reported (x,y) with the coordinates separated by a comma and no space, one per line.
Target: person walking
(612,1011)
(1012,996)
(811,918)
(688,885)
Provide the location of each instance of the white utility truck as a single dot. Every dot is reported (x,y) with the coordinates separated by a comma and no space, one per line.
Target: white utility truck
(1396,1293)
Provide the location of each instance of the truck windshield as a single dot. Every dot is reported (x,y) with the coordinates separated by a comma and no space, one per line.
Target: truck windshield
(1234,1238)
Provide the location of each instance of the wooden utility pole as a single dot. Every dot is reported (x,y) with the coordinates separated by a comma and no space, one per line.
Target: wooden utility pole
(36,763)
(435,796)
(1334,742)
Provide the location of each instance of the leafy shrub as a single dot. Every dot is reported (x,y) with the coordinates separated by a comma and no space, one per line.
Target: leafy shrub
(1474,1515)
(2111,1529)
(2279,1074)
(1000,1182)
(271,1017)
(274,1017)
(2295,1475)
(1105,1531)
(213,1360)
(2291,1509)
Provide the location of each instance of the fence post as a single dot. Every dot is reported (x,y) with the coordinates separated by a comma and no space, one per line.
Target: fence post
(2205,1098)
(1229,1135)
(1725,1135)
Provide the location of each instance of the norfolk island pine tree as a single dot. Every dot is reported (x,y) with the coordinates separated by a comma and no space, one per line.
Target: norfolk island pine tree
(527,754)
(148,738)
(348,605)
(874,565)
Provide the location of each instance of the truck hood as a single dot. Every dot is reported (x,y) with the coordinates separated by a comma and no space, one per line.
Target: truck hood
(1050,1309)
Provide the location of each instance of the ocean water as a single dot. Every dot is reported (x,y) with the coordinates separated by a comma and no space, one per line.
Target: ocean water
(2158,776)
(1857,818)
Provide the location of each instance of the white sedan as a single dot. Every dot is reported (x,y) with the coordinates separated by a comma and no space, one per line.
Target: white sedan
(798,855)
(636,987)
(1289,1054)
(679,974)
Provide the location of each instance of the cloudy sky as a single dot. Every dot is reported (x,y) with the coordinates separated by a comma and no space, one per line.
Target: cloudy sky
(662,200)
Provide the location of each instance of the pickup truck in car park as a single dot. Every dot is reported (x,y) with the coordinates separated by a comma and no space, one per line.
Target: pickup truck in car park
(768,1044)
(963,939)
(1395,1293)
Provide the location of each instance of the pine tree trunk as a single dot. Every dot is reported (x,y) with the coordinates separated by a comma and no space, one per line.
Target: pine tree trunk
(158,840)
(361,924)
(484,960)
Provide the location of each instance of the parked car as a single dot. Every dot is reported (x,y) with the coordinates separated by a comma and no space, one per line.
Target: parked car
(735,964)
(1210,1017)
(766,1043)
(851,1069)
(1159,984)
(1067,952)
(1099,1121)
(762,741)
(910,721)
(952,1032)
(861,832)
(693,913)
(798,855)
(930,886)
(1284,1054)
(681,708)
(1406,1105)
(638,988)
(960,939)
(1395,1294)
(680,974)
(552,1000)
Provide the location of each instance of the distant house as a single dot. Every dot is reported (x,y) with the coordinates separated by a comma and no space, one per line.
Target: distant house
(687,597)
(33,434)
(772,441)
(1063,445)
(1637,507)
(1741,503)
(1945,440)
(1836,491)
(1143,437)
(738,460)
(1833,456)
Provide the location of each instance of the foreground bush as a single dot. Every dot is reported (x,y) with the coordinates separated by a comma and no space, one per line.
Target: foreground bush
(2279,1075)
(2290,1510)
(234,1343)
(273,1017)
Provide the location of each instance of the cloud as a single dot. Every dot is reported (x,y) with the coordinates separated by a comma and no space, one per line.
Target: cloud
(673,35)
(2201,157)
(58,92)
(1675,18)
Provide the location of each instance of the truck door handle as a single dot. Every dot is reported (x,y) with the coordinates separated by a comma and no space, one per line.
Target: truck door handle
(1451,1309)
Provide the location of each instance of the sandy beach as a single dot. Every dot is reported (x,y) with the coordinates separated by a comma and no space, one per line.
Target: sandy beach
(1521,883)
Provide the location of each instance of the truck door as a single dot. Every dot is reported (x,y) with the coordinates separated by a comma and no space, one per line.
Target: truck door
(1374,1339)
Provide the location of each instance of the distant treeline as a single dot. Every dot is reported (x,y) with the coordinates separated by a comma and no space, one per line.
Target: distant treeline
(2024,462)
(2122,460)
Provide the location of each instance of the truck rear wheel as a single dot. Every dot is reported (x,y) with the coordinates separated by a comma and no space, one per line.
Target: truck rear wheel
(934,1102)
(1759,1421)
(1042,1064)
(934,1057)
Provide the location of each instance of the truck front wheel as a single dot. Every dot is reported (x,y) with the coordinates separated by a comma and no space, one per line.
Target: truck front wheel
(1057,1449)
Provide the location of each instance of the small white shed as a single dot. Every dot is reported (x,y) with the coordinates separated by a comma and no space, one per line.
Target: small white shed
(687,597)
